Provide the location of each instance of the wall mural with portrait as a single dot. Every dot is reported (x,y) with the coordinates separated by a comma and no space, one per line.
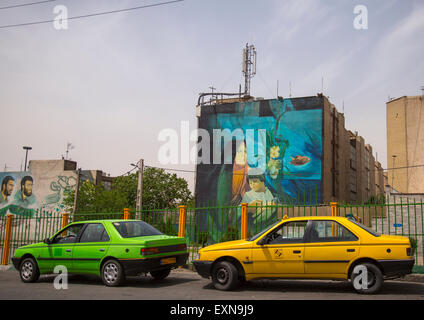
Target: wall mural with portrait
(262,153)
(32,193)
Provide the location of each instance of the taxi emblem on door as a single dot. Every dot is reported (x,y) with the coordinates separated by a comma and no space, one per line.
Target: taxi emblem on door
(278,253)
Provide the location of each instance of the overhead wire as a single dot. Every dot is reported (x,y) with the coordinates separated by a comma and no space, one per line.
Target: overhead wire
(26,4)
(91,15)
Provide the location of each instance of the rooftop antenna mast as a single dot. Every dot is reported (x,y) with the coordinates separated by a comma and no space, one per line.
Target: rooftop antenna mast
(69,147)
(248,66)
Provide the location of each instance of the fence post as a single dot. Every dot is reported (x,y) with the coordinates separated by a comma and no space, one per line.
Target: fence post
(7,238)
(334,208)
(65,219)
(182,221)
(127,213)
(333,214)
(243,234)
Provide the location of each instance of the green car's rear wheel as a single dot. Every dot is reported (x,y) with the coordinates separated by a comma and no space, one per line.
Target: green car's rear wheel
(160,274)
(112,273)
(28,270)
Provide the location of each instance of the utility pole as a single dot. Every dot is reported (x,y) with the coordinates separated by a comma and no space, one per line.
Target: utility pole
(77,191)
(139,200)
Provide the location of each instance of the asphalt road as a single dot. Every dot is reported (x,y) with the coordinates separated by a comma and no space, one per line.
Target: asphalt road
(183,284)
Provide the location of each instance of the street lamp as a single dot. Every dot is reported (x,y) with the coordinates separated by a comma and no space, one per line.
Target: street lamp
(26,155)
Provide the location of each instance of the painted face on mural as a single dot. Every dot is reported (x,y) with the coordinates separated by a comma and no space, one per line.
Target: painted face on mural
(257,184)
(7,186)
(27,188)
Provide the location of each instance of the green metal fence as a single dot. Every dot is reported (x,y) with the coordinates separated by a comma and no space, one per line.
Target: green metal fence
(165,220)
(30,229)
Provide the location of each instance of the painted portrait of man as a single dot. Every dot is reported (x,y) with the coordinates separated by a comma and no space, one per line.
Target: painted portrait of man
(25,197)
(7,186)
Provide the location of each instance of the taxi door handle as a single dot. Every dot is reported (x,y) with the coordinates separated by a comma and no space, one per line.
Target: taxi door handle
(297,251)
(102,250)
(350,250)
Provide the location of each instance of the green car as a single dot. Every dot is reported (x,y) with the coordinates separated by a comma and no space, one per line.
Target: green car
(111,249)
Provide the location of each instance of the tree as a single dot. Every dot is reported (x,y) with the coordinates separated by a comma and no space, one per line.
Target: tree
(160,190)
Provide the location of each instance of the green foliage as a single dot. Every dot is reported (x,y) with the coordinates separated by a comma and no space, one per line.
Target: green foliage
(95,198)
(413,244)
(164,190)
(203,238)
(160,190)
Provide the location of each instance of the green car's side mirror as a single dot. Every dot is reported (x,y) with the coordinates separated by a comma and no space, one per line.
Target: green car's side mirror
(47,241)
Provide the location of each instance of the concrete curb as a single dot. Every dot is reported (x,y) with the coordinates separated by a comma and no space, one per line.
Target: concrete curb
(413,277)
(6,267)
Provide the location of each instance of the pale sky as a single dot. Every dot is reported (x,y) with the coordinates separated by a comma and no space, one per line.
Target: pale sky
(110,84)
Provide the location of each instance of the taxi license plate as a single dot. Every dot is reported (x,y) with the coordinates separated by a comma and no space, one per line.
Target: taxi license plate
(168,261)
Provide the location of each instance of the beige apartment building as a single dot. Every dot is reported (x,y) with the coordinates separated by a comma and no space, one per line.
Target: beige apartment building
(350,171)
(405,144)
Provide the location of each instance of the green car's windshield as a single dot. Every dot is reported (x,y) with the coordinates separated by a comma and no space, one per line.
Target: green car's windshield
(131,229)
(256,236)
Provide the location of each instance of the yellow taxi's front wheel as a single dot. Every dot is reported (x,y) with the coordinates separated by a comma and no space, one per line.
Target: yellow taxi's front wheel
(225,276)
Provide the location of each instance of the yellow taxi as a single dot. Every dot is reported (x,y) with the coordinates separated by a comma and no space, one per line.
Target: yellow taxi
(335,248)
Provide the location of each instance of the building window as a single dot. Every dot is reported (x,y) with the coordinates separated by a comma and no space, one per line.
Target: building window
(367,159)
(352,157)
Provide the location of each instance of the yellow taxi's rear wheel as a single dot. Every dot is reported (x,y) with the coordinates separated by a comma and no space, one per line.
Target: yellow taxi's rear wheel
(374,279)
(225,276)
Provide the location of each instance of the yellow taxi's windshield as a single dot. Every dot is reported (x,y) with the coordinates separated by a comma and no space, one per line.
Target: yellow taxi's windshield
(256,236)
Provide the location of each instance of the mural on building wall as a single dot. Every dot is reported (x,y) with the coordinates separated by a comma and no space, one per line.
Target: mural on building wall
(31,194)
(17,195)
(276,155)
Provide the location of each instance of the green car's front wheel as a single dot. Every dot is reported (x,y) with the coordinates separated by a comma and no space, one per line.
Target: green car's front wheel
(112,273)
(28,270)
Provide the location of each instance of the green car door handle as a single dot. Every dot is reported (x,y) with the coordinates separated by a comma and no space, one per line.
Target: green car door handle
(102,250)
(68,250)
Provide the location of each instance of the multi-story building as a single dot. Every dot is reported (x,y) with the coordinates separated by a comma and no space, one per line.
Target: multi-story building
(405,141)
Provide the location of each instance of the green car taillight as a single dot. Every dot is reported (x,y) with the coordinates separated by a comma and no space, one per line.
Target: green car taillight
(148,251)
